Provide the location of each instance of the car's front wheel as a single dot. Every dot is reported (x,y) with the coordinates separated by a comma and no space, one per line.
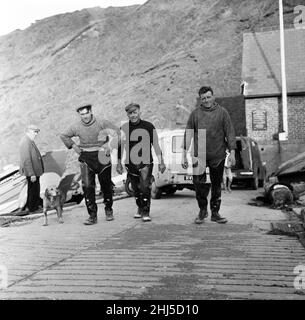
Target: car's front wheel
(254,183)
(171,191)
(128,188)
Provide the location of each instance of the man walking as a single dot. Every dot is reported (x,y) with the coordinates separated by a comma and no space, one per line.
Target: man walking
(31,166)
(220,135)
(94,158)
(140,136)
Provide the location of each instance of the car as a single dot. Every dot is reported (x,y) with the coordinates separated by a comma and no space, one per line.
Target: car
(174,177)
(249,168)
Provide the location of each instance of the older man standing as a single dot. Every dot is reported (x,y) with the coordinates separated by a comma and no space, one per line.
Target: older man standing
(31,166)
(220,135)
(94,158)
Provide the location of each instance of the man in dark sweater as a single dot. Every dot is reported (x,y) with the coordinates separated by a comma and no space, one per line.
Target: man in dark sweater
(220,135)
(138,136)
(94,158)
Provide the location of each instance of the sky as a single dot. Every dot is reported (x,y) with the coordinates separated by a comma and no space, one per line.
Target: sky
(19,14)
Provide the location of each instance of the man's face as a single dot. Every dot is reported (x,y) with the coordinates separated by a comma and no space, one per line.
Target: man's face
(85,115)
(134,115)
(33,134)
(207,99)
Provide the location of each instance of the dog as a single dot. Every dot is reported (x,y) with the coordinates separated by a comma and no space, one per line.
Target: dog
(53,198)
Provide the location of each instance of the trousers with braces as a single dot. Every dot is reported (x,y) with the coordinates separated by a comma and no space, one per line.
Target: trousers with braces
(90,166)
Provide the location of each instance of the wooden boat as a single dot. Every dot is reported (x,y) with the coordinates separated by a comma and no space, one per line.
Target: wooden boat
(12,184)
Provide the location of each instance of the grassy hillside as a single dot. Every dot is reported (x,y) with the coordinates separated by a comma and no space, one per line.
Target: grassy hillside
(157,54)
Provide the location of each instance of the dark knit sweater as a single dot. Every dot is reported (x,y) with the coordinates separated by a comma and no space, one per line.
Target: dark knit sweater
(140,138)
(220,133)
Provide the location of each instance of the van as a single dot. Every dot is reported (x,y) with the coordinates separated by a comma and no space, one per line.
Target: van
(174,177)
(249,168)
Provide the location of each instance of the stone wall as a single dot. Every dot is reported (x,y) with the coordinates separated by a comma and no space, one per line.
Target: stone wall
(296,117)
(268,111)
(270,107)
(264,117)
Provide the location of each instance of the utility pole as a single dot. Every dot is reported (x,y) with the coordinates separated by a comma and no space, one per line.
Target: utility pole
(283,135)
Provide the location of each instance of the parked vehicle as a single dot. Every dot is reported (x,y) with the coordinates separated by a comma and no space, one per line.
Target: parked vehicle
(174,177)
(249,167)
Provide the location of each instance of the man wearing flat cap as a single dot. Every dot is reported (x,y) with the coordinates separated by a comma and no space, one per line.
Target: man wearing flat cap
(94,158)
(31,166)
(138,136)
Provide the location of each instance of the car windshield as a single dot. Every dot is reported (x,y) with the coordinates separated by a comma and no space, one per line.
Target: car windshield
(177,144)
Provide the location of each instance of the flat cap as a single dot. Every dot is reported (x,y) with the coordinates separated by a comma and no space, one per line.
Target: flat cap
(131,107)
(83,106)
(33,127)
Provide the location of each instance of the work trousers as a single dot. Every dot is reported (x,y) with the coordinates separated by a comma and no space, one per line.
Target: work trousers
(33,198)
(140,178)
(202,188)
(90,166)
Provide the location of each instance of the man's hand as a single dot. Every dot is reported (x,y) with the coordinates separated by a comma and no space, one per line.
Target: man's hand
(33,178)
(119,168)
(77,149)
(184,162)
(232,158)
(161,167)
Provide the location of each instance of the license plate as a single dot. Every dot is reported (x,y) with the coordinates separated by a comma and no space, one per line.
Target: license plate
(188,178)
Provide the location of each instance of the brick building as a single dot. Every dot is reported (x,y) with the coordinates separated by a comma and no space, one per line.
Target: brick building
(261,76)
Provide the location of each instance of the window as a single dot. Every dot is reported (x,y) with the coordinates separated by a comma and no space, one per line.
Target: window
(177,144)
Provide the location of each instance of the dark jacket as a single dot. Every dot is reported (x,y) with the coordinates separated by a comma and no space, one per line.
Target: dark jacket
(30,158)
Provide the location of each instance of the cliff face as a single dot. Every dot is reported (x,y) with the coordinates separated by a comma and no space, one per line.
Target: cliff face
(157,54)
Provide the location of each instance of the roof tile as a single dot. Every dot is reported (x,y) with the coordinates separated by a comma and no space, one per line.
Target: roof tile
(261,67)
